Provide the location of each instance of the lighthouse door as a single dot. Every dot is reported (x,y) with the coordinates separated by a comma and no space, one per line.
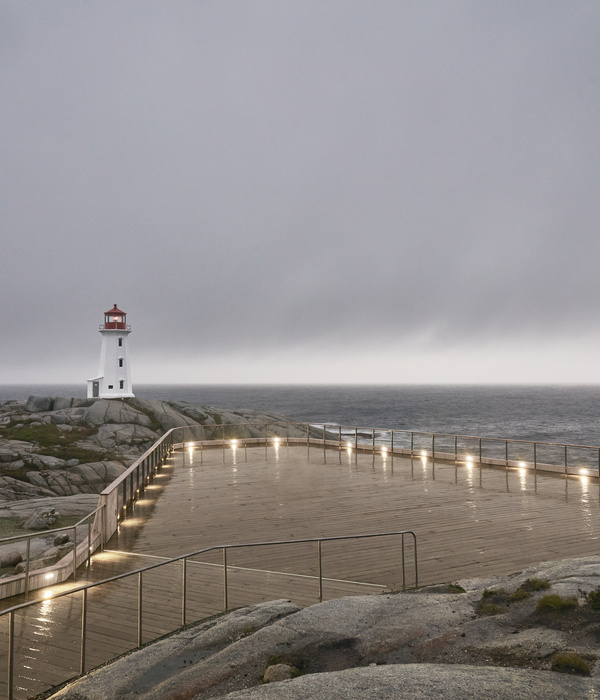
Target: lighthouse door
(95,389)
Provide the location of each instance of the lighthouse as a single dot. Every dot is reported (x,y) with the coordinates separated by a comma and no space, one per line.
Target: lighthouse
(114,378)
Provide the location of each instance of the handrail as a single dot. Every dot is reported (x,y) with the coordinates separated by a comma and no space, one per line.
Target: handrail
(189,555)
(44,533)
(140,572)
(122,492)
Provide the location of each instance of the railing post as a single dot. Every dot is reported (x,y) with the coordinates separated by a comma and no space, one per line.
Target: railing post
(416,563)
(74,554)
(455,448)
(355,440)
(339,438)
(139,633)
(83,631)
(403,565)
(320,572)
(225,602)
(183,591)
(535,456)
(432,447)
(373,440)
(27,556)
(566,470)
(89,552)
(392,443)
(11,653)
(412,443)
(103,526)
(506,452)
(480,451)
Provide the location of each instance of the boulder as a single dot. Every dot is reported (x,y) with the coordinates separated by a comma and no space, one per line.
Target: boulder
(42,519)
(47,462)
(104,411)
(39,404)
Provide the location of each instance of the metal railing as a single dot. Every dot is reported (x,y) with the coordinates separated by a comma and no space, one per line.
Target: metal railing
(139,573)
(119,496)
(46,571)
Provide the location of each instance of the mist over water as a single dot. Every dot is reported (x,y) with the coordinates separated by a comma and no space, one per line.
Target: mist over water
(569,414)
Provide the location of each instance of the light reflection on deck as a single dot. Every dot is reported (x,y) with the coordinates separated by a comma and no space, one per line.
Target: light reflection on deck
(470,521)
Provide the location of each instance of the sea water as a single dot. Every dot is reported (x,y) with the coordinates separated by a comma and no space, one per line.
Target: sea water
(564,414)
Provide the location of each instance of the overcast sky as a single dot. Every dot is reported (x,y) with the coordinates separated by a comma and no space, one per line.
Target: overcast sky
(301,191)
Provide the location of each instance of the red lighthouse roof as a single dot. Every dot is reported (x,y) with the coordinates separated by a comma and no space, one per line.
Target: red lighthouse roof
(114,310)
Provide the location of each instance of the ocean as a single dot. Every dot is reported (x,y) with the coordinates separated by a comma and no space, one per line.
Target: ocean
(564,414)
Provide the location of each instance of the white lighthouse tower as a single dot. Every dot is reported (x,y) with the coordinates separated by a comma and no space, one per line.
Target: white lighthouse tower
(114,378)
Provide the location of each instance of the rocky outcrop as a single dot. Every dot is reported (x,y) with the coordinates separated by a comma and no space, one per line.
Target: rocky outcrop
(439,642)
(83,478)
(63,446)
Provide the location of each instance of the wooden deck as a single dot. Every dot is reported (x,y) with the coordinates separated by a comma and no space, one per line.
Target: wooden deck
(469,521)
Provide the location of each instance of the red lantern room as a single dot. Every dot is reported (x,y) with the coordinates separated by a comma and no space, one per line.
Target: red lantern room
(115,319)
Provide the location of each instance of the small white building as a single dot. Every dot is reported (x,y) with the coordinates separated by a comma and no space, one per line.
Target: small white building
(114,378)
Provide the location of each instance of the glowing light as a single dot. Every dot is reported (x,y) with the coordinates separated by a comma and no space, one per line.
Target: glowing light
(349,445)
(423,453)
(49,577)
(234,443)
(469,459)
(276,441)
(189,444)
(48,594)
(383,450)
(522,464)
(584,472)
(522,471)
(584,480)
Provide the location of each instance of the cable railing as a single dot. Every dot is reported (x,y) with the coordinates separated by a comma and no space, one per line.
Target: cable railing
(81,628)
(80,553)
(121,494)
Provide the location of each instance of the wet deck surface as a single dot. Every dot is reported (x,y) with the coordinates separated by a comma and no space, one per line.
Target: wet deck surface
(469,521)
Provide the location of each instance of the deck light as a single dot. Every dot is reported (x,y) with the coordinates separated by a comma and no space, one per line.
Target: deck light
(522,464)
(49,577)
(234,443)
(423,453)
(583,472)
(48,594)
(349,445)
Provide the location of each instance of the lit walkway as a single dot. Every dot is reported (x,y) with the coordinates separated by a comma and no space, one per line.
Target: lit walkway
(469,522)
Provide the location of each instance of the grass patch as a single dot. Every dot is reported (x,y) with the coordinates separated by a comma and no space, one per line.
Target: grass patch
(532,585)
(52,442)
(488,609)
(556,603)
(519,594)
(490,592)
(570,663)
(592,598)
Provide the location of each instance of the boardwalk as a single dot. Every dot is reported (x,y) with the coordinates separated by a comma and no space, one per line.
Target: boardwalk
(469,522)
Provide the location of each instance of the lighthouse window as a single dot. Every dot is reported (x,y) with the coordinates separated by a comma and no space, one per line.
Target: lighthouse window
(120,342)
(121,384)
(110,386)
(120,363)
